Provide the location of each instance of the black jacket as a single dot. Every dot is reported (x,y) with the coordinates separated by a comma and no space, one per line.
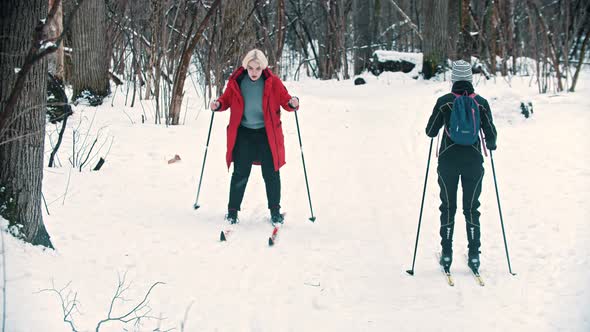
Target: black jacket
(441,115)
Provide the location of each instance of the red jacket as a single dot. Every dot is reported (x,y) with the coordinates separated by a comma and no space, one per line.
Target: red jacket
(275,94)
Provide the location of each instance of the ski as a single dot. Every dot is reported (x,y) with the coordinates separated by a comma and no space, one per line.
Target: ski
(225,234)
(445,271)
(475,273)
(478,278)
(274,235)
(275,230)
(449,277)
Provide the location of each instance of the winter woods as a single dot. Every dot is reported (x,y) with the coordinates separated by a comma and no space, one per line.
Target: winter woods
(152,50)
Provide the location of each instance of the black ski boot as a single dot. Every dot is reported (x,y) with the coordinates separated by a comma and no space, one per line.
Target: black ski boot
(232,216)
(473,260)
(446,259)
(275,216)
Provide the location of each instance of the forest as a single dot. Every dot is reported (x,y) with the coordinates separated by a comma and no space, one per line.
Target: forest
(155,49)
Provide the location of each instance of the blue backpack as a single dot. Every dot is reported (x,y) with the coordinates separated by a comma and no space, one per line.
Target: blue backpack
(465,120)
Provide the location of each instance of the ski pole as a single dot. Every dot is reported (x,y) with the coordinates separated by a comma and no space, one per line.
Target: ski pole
(312,218)
(411,272)
(500,211)
(196,206)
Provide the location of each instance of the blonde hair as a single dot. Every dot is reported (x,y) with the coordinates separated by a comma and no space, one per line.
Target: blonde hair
(257,56)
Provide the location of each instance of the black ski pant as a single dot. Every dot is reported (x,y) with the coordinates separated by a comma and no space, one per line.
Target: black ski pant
(469,169)
(252,146)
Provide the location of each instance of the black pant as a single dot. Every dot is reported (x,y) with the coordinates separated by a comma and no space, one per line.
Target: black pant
(252,146)
(469,168)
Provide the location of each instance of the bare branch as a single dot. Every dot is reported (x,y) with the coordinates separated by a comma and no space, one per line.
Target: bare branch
(137,313)
(414,27)
(68,306)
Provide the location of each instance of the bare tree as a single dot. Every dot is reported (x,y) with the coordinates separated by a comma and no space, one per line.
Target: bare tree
(90,60)
(331,52)
(56,60)
(139,312)
(435,37)
(22,117)
(362,35)
(580,61)
(182,69)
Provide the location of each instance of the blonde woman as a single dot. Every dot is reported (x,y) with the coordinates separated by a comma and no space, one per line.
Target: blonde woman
(255,134)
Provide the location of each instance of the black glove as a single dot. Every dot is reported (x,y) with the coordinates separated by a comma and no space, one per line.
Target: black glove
(491,146)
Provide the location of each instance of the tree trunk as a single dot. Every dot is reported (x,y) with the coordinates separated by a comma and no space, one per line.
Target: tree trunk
(331,61)
(376,22)
(499,18)
(510,33)
(454,30)
(90,60)
(180,75)
(490,35)
(435,37)
(343,24)
(580,62)
(21,149)
(155,56)
(56,60)
(552,49)
(362,36)
(280,39)
(465,40)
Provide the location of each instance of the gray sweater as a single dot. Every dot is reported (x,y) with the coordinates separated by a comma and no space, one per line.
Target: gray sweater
(252,92)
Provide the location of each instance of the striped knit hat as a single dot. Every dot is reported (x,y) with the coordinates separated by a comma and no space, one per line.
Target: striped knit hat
(461,71)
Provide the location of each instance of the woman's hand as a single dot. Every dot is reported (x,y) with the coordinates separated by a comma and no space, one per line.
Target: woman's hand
(294,102)
(215,105)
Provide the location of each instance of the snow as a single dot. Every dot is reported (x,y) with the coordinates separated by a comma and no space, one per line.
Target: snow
(415,58)
(365,152)
(46,45)
(385,55)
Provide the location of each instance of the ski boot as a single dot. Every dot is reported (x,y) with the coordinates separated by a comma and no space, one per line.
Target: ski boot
(446,259)
(232,216)
(275,216)
(473,261)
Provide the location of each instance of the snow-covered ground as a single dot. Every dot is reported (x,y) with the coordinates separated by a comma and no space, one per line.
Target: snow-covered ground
(366,154)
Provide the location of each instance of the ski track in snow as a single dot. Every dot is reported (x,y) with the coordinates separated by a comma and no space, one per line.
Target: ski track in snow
(366,154)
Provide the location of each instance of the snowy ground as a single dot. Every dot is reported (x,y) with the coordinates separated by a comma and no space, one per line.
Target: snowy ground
(366,155)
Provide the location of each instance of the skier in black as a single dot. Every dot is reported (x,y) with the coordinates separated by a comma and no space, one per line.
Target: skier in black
(460,161)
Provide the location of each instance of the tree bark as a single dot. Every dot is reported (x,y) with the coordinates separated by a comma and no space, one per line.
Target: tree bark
(280,38)
(435,37)
(155,54)
(510,33)
(550,44)
(90,60)
(56,60)
(465,40)
(22,146)
(362,35)
(455,30)
(331,62)
(580,62)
